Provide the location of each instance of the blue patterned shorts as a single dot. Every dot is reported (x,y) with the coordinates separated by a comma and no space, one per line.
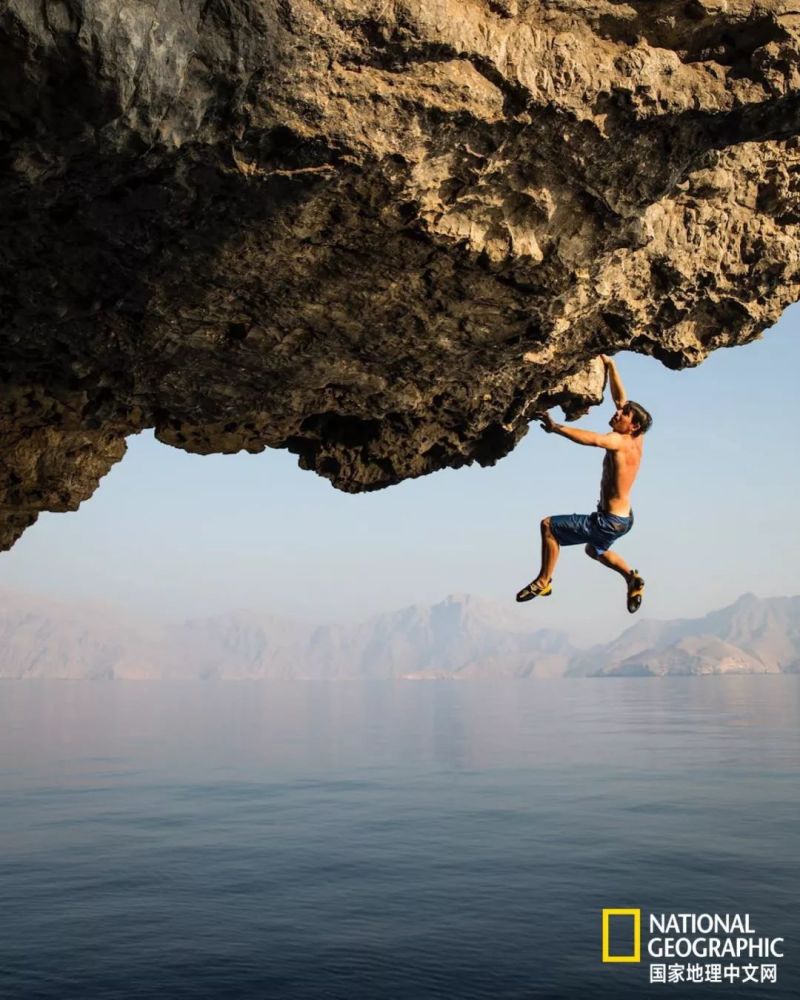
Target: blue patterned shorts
(599,529)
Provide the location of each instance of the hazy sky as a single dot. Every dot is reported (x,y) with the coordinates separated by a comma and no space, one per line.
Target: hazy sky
(179,535)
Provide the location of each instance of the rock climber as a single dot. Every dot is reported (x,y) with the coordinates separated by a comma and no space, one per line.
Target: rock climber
(614,516)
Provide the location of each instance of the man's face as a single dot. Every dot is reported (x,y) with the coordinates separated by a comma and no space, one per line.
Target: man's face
(623,421)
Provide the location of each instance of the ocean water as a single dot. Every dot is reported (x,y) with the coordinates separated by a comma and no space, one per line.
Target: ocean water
(302,841)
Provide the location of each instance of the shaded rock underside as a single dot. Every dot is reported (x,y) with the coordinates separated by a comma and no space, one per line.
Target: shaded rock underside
(378,234)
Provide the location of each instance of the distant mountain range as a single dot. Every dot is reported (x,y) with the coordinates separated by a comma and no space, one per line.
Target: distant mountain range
(751,636)
(459,638)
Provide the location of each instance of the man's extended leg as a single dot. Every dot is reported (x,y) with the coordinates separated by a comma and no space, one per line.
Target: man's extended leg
(610,559)
(540,586)
(617,563)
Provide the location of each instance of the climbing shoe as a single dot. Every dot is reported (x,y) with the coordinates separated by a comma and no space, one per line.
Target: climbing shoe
(535,589)
(635,591)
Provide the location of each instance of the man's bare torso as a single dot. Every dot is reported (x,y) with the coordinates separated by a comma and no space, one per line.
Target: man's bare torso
(619,472)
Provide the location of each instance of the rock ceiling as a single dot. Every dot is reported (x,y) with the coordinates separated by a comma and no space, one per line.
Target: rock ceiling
(377,234)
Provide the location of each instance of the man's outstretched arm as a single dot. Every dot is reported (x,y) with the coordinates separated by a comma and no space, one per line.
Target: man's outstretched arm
(618,393)
(611,442)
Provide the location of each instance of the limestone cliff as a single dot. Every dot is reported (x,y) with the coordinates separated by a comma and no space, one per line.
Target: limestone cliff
(378,233)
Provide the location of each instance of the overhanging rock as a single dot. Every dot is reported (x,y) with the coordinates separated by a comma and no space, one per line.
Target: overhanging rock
(377,234)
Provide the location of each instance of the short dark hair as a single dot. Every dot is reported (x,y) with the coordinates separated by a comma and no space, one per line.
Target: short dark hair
(640,415)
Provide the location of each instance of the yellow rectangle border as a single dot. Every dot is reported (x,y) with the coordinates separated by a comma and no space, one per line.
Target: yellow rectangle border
(637,935)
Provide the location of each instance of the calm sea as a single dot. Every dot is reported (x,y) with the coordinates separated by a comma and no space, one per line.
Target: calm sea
(386,841)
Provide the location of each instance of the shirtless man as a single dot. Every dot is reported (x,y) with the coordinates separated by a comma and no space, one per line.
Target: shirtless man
(614,516)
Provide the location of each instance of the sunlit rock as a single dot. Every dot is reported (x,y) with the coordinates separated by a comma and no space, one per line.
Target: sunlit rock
(380,235)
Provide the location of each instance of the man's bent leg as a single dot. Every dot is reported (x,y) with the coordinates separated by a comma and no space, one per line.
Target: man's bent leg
(550,551)
(632,577)
(540,585)
(610,559)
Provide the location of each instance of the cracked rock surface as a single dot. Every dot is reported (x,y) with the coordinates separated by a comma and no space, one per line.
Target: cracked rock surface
(379,234)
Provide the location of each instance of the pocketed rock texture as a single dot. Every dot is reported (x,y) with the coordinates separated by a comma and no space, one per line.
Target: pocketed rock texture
(379,234)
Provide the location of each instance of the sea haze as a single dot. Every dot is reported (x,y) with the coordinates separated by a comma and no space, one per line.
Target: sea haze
(385,841)
(461,637)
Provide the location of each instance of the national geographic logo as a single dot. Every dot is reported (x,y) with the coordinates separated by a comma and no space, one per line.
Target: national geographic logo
(621,919)
(691,947)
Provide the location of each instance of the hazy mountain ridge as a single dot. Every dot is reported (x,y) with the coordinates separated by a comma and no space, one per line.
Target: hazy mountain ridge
(752,635)
(460,637)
